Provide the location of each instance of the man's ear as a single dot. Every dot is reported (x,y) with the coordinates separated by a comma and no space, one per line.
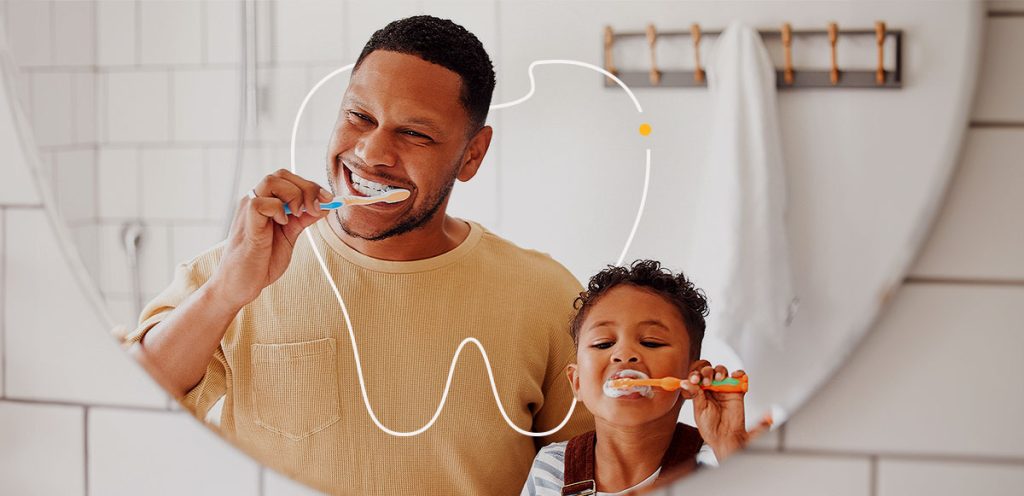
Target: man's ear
(474,154)
(572,373)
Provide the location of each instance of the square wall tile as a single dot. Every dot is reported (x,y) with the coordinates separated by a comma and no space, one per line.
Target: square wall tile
(74,33)
(188,241)
(170,32)
(781,474)
(87,241)
(223,32)
(172,184)
(367,16)
(30,30)
(137,106)
(116,43)
(922,382)
(83,94)
(1002,72)
(979,233)
(76,184)
(941,478)
(167,453)
(3,299)
(206,105)
(309,30)
(66,355)
(42,449)
(119,184)
(220,175)
(52,102)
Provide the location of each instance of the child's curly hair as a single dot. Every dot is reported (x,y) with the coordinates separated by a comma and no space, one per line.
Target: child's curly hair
(649,274)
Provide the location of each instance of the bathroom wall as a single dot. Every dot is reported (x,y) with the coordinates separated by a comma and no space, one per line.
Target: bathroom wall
(911,413)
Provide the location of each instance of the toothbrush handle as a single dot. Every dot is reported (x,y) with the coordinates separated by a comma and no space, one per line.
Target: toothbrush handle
(323,206)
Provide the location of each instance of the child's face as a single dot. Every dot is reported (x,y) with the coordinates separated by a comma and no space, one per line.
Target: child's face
(630,328)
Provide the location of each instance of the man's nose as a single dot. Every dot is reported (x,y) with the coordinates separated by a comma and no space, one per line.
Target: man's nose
(375,148)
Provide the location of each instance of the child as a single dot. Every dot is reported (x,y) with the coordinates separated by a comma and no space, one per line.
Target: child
(639,322)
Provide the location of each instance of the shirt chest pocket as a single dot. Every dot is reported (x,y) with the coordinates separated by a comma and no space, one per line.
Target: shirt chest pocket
(295,387)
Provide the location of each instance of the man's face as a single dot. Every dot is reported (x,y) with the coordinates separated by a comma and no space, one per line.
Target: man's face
(401,124)
(636,329)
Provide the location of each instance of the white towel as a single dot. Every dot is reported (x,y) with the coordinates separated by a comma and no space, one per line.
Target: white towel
(740,253)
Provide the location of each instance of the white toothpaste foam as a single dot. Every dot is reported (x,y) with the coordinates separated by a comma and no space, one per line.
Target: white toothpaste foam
(612,392)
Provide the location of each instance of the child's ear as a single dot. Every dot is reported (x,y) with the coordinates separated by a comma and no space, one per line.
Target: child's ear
(572,372)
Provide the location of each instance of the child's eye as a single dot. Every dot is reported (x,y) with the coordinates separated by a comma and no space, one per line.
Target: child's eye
(653,344)
(602,346)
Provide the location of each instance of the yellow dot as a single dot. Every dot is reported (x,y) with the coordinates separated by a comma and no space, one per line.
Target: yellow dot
(645,129)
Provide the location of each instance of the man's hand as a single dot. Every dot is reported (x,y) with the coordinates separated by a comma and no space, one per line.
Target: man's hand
(259,246)
(719,416)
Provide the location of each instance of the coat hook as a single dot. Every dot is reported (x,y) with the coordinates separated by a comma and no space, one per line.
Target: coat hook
(787,45)
(652,38)
(833,37)
(609,62)
(880,39)
(698,72)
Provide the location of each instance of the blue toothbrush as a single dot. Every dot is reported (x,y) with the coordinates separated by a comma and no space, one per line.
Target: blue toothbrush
(393,196)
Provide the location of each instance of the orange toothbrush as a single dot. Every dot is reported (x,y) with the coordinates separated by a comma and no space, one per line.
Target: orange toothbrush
(729,385)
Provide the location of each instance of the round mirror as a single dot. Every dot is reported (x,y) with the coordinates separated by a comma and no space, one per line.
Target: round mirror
(759,177)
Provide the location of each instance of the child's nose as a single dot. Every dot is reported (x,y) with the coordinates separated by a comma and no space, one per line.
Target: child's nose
(625,354)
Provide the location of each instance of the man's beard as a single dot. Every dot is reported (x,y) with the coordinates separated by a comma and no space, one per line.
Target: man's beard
(416,220)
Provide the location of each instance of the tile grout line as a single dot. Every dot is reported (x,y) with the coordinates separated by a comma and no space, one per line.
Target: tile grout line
(134,408)
(963,281)
(905,456)
(85,448)
(873,475)
(3,301)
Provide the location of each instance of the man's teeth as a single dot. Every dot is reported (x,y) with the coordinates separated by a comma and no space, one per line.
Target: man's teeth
(368,187)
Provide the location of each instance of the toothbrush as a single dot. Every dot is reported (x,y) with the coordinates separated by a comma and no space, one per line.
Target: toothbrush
(728,385)
(393,196)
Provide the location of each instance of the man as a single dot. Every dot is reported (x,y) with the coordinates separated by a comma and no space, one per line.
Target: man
(255,322)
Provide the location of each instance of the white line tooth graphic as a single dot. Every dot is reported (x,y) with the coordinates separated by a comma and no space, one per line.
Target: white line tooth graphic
(462,345)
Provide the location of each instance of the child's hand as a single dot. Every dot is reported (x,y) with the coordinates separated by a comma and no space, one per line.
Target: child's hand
(719,416)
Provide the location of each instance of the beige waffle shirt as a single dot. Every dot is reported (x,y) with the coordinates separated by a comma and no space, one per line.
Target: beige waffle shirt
(288,377)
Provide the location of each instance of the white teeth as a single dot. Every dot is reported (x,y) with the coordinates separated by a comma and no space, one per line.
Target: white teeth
(368,187)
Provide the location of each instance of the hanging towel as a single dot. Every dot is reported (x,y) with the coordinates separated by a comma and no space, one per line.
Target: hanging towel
(741,255)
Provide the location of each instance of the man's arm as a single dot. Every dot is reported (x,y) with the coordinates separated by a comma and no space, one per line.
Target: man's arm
(258,249)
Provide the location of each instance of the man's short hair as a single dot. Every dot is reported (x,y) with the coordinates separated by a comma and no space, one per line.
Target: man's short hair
(648,274)
(442,42)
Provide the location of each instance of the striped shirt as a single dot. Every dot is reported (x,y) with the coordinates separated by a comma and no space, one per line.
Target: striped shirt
(547,474)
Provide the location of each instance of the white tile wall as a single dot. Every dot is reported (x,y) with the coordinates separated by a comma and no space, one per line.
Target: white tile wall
(56,347)
(119,184)
(3,299)
(954,396)
(275,484)
(74,25)
(1002,75)
(981,205)
(136,106)
(155,262)
(51,103)
(172,184)
(29,31)
(206,105)
(309,30)
(223,32)
(76,184)
(84,111)
(170,32)
(41,449)
(899,477)
(87,241)
(162,453)
(115,33)
(367,16)
(783,474)
(191,240)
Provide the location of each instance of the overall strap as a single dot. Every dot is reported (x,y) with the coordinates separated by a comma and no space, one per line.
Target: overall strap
(580,463)
(681,455)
